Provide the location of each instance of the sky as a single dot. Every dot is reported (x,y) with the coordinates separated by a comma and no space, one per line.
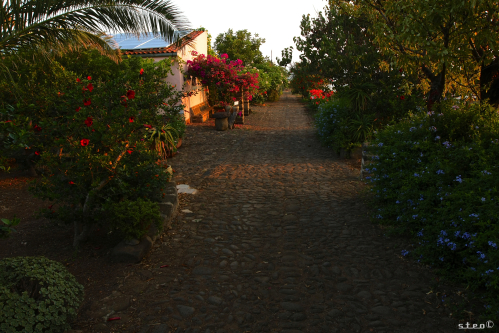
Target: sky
(278,21)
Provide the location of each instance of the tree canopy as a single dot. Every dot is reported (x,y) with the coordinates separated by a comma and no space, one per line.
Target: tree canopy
(287,56)
(452,43)
(446,47)
(240,45)
(337,45)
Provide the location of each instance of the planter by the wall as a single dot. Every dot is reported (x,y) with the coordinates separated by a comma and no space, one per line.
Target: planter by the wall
(179,142)
(355,153)
(133,251)
(221,121)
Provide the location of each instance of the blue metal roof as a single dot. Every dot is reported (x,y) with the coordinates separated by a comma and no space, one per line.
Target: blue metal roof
(148,41)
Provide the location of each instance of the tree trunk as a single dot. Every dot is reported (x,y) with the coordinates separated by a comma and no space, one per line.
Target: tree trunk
(80,237)
(437,86)
(489,82)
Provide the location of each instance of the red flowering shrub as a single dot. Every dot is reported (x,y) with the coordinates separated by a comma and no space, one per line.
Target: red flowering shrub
(89,121)
(320,94)
(224,79)
(100,131)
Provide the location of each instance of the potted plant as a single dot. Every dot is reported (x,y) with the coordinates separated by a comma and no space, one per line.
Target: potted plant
(178,123)
(164,140)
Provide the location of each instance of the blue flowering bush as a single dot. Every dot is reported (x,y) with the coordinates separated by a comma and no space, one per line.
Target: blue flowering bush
(434,177)
(339,127)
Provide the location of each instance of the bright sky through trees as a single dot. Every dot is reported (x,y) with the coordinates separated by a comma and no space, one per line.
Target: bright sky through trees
(278,21)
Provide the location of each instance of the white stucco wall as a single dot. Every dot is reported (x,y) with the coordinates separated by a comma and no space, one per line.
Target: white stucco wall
(200,45)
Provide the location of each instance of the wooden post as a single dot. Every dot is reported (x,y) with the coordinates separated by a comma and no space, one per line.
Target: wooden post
(240,109)
(246,105)
(233,115)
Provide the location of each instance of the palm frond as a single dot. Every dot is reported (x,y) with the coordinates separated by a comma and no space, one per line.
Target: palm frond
(57,25)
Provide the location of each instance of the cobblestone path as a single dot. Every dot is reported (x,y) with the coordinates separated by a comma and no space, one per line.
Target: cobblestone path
(276,240)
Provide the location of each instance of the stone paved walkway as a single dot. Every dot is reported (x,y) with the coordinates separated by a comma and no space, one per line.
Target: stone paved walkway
(276,240)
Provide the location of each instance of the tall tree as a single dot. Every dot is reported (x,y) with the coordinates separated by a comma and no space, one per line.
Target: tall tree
(240,45)
(60,25)
(450,42)
(337,45)
(287,57)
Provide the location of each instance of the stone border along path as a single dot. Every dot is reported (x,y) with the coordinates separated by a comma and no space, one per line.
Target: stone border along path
(278,241)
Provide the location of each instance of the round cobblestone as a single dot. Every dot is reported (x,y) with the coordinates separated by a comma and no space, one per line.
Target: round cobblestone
(278,240)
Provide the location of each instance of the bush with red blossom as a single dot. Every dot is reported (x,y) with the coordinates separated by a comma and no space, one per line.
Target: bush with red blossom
(92,142)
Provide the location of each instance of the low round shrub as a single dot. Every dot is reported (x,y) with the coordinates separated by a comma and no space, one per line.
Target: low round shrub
(37,295)
(434,178)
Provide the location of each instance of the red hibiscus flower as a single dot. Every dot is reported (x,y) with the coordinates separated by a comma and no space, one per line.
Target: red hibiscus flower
(131,119)
(84,142)
(141,71)
(89,78)
(402,97)
(79,108)
(37,153)
(130,94)
(89,121)
(129,151)
(147,126)
(8,121)
(87,102)
(71,183)
(78,80)
(37,128)
(90,87)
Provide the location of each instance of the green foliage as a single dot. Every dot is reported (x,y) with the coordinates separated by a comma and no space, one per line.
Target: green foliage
(133,218)
(7,226)
(164,140)
(37,295)
(271,80)
(303,81)
(92,138)
(450,44)
(178,123)
(339,34)
(287,56)
(433,178)
(240,45)
(339,127)
(49,27)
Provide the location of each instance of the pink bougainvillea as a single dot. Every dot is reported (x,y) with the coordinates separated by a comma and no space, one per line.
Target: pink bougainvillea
(228,77)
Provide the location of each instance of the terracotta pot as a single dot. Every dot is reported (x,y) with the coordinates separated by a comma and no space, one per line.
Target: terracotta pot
(179,142)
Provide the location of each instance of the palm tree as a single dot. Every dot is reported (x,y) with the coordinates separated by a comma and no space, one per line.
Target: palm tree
(55,26)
